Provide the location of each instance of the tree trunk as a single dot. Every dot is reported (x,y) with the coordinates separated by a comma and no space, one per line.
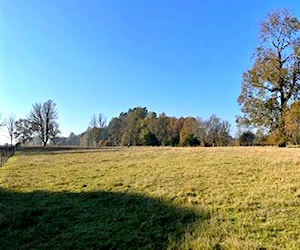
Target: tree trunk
(282,128)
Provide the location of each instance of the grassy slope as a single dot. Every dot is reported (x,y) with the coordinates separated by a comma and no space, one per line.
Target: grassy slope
(152,198)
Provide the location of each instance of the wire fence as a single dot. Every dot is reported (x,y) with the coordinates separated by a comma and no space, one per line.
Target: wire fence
(5,153)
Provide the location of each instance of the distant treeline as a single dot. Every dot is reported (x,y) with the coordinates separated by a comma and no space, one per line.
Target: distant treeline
(139,127)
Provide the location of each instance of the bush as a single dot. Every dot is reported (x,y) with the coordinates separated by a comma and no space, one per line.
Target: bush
(247,138)
(174,141)
(150,139)
(191,140)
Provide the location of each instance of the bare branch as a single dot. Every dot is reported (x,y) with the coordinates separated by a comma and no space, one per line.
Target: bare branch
(11,127)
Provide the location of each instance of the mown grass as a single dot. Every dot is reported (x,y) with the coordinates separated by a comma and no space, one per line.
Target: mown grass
(151,198)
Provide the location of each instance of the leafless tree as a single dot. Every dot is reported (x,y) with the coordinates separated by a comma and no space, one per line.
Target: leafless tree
(10,125)
(43,119)
(23,131)
(54,133)
(97,124)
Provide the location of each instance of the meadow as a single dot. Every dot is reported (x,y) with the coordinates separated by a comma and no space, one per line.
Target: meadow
(151,198)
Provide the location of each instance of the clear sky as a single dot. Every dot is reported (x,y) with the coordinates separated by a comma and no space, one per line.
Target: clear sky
(184,58)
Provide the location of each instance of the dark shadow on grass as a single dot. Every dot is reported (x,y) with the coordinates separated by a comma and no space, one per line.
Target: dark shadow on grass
(90,220)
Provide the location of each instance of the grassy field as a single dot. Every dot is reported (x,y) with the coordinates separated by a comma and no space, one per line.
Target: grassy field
(151,198)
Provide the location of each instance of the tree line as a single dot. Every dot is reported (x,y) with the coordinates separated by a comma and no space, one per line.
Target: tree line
(136,127)
(140,127)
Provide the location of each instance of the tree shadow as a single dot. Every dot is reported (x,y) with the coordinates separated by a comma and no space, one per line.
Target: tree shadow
(90,220)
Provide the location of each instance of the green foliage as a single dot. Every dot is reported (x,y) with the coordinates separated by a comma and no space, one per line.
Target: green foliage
(134,124)
(95,133)
(247,138)
(151,139)
(139,127)
(191,140)
(161,129)
(115,131)
(189,129)
(174,141)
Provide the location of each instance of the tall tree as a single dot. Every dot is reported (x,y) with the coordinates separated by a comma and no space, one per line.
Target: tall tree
(189,131)
(43,119)
(214,131)
(174,127)
(23,131)
(151,121)
(10,125)
(273,82)
(224,134)
(86,139)
(54,133)
(134,125)
(97,124)
(115,131)
(161,130)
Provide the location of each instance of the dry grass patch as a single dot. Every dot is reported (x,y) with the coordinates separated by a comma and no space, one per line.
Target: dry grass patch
(235,198)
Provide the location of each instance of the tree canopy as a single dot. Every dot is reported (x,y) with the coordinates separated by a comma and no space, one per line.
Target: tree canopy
(138,126)
(41,122)
(272,84)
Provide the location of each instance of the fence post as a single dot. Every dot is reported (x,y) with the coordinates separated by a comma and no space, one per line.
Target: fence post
(5,153)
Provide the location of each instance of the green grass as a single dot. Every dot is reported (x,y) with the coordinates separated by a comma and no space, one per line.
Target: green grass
(151,198)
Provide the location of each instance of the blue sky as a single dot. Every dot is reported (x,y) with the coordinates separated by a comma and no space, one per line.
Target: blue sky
(184,58)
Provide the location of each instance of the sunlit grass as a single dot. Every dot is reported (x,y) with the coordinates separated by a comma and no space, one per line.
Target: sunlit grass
(240,198)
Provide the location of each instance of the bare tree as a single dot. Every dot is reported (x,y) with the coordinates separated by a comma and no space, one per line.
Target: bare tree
(43,119)
(97,124)
(54,133)
(214,131)
(10,125)
(23,131)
